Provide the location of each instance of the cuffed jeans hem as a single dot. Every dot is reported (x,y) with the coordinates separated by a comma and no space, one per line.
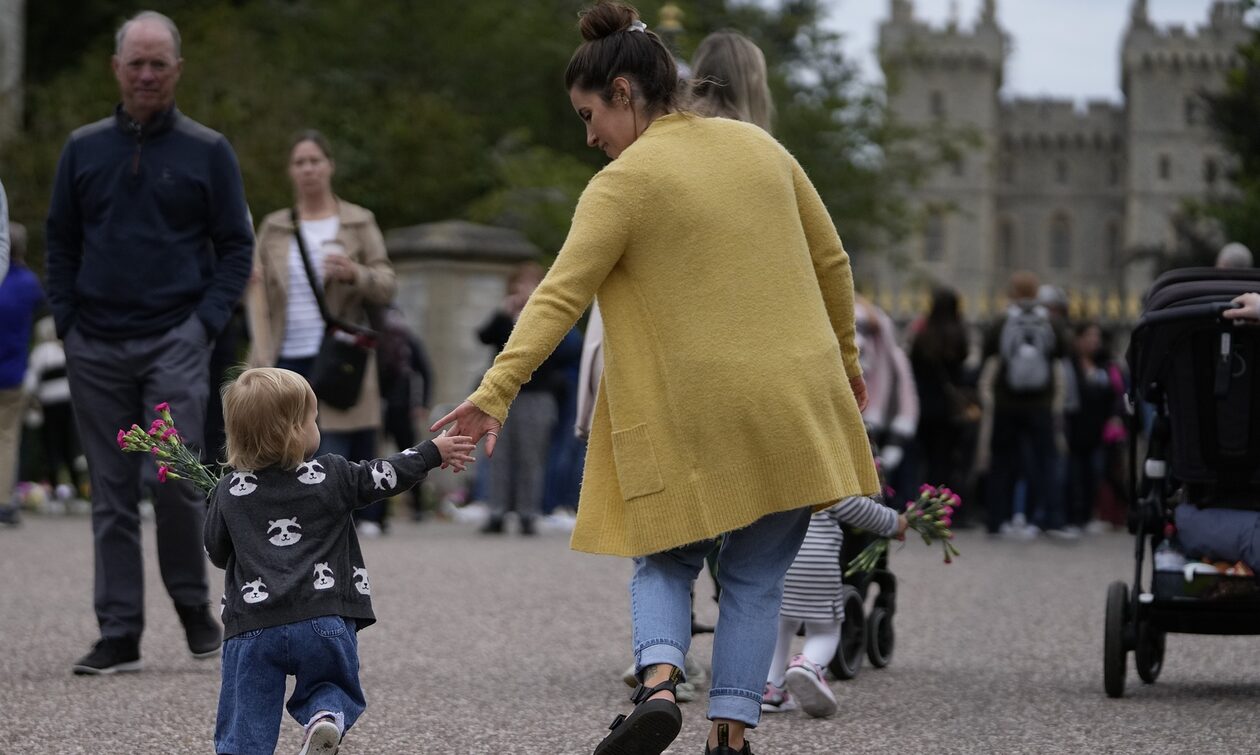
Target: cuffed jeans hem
(656,652)
(735,705)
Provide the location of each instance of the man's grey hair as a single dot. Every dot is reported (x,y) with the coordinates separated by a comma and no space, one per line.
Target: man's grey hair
(1234,254)
(147,15)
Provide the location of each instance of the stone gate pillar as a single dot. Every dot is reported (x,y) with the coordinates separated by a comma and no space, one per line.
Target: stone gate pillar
(451,276)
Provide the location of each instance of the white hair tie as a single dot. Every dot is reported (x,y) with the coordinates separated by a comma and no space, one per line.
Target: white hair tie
(637,25)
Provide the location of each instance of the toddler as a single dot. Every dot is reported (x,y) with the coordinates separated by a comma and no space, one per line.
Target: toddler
(296,586)
(811,596)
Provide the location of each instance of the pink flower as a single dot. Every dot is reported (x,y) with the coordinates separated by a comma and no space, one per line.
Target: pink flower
(167,433)
(945,520)
(154,450)
(926,489)
(954,499)
(162,407)
(909,507)
(122,439)
(162,473)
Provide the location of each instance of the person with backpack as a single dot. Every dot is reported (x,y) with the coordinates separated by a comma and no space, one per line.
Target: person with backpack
(1024,344)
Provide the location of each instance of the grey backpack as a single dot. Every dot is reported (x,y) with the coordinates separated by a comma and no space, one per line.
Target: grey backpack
(1026,344)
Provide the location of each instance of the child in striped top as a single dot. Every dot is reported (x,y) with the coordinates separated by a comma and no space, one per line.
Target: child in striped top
(812,597)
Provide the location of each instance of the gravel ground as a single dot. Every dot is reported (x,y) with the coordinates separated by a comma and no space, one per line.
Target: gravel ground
(517,645)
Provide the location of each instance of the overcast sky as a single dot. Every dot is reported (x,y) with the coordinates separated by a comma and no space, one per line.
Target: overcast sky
(1061,48)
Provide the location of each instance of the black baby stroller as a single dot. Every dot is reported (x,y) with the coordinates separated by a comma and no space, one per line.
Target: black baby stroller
(861,632)
(1201,374)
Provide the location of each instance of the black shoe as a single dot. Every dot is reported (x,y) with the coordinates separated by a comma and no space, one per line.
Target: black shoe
(203,632)
(493,526)
(650,727)
(110,655)
(724,750)
(527,526)
(9,515)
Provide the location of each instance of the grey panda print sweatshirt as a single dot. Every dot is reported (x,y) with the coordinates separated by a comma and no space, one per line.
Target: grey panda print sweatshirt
(286,541)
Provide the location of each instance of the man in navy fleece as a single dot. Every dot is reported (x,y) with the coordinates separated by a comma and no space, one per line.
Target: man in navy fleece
(149,246)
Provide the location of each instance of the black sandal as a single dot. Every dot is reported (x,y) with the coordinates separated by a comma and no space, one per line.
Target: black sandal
(650,727)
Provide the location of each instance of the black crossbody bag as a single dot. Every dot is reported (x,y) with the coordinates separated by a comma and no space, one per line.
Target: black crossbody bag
(342,360)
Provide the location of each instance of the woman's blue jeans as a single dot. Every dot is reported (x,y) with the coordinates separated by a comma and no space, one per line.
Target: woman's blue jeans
(752,563)
(322,653)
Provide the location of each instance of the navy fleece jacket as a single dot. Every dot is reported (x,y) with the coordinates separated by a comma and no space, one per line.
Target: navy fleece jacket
(147,225)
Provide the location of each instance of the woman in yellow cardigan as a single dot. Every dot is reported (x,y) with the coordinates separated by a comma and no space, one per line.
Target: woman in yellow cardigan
(730,396)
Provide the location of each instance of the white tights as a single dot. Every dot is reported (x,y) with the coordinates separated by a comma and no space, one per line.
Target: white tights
(822,639)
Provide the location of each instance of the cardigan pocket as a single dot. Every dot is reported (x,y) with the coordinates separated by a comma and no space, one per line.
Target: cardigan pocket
(637,471)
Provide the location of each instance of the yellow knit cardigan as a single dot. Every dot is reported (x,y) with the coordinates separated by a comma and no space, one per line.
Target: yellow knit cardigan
(727,300)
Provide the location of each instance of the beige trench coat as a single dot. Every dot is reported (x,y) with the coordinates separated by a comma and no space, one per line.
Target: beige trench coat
(267,298)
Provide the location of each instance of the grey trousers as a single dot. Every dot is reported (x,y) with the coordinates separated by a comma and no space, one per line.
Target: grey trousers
(114,384)
(520,457)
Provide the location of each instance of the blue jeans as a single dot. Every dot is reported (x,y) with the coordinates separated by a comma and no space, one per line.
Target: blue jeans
(751,565)
(323,653)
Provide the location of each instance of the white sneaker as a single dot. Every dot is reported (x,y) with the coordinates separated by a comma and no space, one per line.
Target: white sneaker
(369,530)
(1065,533)
(1097,527)
(805,683)
(322,737)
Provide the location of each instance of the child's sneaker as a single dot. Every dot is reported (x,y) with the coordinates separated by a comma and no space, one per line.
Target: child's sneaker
(776,700)
(805,682)
(323,736)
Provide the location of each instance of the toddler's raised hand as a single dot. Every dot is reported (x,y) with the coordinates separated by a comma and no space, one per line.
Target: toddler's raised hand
(456,450)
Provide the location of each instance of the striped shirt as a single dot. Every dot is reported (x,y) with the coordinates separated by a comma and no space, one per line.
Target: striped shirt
(811,590)
(304,325)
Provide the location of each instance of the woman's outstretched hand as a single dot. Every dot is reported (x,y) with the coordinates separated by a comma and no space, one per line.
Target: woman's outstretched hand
(1248,308)
(471,421)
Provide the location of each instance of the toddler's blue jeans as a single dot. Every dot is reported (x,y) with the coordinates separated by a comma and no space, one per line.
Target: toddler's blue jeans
(323,653)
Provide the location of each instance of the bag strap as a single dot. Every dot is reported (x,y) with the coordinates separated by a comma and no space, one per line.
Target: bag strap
(318,290)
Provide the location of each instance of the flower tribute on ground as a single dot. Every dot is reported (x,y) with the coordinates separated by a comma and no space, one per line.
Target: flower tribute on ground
(930,516)
(175,461)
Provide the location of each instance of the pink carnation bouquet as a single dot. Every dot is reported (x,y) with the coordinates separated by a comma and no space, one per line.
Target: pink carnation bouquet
(930,515)
(175,461)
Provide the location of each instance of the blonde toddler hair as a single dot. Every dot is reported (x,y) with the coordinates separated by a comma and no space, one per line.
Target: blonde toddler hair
(264,412)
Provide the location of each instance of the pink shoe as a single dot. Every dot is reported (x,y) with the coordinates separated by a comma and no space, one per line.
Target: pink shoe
(805,682)
(776,700)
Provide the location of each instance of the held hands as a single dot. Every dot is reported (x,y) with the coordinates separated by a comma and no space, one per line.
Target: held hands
(456,450)
(902,524)
(470,421)
(1248,308)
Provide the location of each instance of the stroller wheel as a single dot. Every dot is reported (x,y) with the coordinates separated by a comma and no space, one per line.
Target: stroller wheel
(1149,655)
(1114,653)
(879,637)
(848,658)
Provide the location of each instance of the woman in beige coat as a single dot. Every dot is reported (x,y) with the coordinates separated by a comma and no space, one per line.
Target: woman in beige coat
(348,254)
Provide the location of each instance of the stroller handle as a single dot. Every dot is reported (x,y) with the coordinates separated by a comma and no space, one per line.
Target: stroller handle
(1207,311)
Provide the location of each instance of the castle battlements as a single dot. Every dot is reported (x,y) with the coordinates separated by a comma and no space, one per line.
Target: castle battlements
(906,39)
(1058,123)
(1206,47)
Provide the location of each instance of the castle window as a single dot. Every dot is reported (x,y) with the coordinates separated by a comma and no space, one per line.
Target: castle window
(1210,171)
(1006,244)
(1114,251)
(1060,242)
(937,104)
(934,237)
(1194,113)
(1061,171)
(1165,167)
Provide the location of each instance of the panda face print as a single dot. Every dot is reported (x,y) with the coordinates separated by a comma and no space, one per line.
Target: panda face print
(311,473)
(383,475)
(254,591)
(410,452)
(323,576)
(243,483)
(222,605)
(361,581)
(285,531)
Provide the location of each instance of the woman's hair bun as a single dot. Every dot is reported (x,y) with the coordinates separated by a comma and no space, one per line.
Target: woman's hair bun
(605,19)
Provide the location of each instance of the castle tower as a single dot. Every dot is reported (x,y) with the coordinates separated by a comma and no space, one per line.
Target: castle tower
(945,78)
(1172,154)
(12,55)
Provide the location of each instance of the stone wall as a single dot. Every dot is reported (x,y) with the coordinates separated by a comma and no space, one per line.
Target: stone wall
(451,277)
